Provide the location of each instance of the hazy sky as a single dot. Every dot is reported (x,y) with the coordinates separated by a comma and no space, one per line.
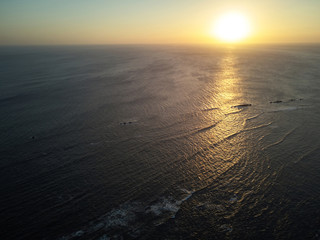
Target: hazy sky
(151,21)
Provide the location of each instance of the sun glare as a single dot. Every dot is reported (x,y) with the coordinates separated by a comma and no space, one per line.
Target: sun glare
(231,27)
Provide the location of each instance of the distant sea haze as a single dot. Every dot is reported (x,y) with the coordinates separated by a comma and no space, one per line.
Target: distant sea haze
(160,142)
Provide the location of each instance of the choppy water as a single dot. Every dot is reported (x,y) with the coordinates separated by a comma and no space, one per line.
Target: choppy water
(152,142)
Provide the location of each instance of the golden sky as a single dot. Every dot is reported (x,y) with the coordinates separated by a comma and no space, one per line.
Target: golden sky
(153,22)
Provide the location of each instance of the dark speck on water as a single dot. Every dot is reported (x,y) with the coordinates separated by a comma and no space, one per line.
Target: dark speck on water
(278,101)
(242,105)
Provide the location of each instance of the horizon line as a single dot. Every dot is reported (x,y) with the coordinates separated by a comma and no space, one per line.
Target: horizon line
(160,44)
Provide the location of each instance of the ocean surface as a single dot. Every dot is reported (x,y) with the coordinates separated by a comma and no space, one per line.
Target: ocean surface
(160,142)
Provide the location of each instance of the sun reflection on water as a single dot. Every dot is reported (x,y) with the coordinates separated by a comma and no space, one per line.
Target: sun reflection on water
(225,142)
(227,82)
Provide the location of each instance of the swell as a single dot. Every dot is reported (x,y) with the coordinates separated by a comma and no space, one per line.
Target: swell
(175,204)
(234,112)
(307,155)
(284,137)
(207,128)
(247,130)
(254,117)
(229,137)
(237,187)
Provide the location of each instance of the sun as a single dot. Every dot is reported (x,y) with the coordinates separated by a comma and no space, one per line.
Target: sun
(231,27)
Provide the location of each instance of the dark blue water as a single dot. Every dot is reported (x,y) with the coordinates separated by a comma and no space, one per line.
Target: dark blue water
(160,142)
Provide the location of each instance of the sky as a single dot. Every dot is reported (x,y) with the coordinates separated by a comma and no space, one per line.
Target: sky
(55,22)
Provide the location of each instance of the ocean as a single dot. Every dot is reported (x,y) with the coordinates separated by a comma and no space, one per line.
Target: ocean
(160,142)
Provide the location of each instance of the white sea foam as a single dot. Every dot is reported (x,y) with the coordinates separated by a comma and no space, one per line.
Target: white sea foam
(168,205)
(104,237)
(119,217)
(226,227)
(130,217)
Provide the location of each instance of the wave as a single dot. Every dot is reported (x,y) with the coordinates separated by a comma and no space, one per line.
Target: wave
(234,112)
(208,128)
(227,138)
(246,130)
(254,117)
(307,155)
(280,140)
